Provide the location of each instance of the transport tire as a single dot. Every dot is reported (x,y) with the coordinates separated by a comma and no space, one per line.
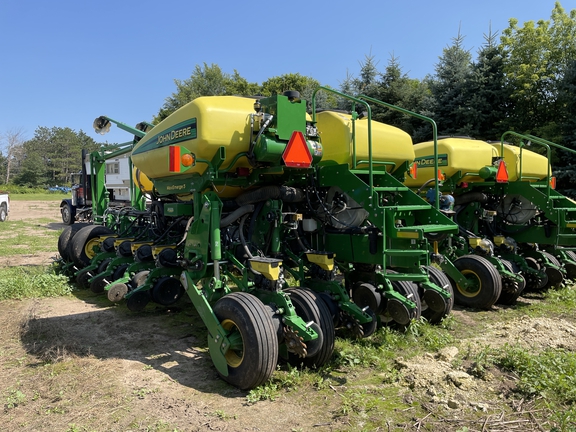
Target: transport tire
(253,354)
(310,307)
(438,277)
(80,247)
(66,237)
(510,294)
(486,282)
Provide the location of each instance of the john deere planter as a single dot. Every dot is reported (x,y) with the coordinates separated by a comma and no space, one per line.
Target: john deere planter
(280,226)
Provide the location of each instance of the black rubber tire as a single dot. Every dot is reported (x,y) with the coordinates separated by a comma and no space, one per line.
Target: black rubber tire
(119,272)
(438,277)
(555,276)
(254,360)
(365,294)
(506,297)
(167,290)
(138,301)
(569,266)
(487,278)
(410,291)
(66,237)
(97,285)
(82,278)
(3,213)
(533,284)
(77,246)
(310,307)
(68,214)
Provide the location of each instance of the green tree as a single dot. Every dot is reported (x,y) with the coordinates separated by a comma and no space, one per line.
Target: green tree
(205,81)
(449,105)
(366,83)
(32,171)
(537,55)
(60,151)
(565,168)
(396,88)
(487,92)
(291,81)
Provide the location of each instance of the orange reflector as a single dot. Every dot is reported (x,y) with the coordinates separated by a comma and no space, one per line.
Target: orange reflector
(441,176)
(553,182)
(174,158)
(187,160)
(502,173)
(297,154)
(413,170)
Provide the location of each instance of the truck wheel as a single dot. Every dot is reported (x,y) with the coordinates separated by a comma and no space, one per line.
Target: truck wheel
(79,248)
(253,353)
(486,283)
(68,214)
(3,213)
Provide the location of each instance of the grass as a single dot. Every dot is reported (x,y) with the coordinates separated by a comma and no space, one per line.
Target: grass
(38,196)
(28,282)
(20,237)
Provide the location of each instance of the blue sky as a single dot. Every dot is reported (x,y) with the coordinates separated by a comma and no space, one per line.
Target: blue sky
(65,63)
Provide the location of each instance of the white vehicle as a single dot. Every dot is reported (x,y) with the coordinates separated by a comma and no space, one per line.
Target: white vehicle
(4,206)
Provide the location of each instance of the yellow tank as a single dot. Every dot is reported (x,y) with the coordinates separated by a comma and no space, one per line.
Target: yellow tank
(201,126)
(454,154)
(142,181)
(533,166)
(389,144)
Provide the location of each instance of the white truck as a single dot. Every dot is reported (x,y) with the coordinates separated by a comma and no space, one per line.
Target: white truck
(4,206)
(79,207)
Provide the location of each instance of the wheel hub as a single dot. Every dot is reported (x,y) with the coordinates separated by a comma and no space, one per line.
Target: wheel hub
(117,292)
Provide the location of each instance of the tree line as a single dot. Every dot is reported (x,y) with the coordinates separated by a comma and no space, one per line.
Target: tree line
(523,79)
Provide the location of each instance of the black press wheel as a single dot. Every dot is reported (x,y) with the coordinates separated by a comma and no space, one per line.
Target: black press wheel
(397,315)
(167,290)
(98,283)
(253,354)
(554,272)
(138,301)
(310,307)
(433,312)
(83,277)
(80,247)
(511,290)
(66,237)
(570,266)
(485,282)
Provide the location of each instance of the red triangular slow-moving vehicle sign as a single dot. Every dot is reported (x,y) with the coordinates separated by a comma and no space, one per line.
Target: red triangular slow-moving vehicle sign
(297,154)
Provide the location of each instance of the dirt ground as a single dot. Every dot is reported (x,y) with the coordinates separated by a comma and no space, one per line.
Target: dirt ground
(80,363)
